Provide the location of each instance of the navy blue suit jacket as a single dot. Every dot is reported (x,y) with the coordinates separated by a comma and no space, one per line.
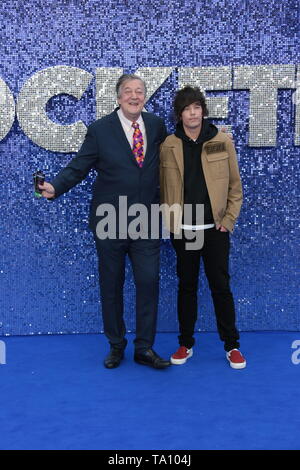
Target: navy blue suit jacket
(107,149)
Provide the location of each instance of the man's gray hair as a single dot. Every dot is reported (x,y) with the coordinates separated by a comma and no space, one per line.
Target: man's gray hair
(124,78)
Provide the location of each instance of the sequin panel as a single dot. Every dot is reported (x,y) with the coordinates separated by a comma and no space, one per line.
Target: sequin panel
(60,60)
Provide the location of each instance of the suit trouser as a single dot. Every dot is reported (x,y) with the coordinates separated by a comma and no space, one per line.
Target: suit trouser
(215,255)
(144,257)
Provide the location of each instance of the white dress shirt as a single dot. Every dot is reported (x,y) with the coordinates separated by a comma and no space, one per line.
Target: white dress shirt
(129,130)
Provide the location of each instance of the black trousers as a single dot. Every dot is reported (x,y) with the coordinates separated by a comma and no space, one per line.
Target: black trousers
(144,257)
(215,255)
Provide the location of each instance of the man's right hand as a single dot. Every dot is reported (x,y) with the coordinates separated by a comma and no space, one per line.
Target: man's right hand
(47,190)
(223,129)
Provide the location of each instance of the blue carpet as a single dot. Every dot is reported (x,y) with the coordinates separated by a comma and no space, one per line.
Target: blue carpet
(55,394)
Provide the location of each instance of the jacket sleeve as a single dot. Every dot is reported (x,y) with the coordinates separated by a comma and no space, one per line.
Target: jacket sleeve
(235,192)
(79,166)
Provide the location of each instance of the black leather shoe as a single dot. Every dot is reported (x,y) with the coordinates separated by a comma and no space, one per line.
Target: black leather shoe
(150,358)
(114,358)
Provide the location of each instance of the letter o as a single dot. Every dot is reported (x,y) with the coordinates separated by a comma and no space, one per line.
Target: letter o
(7,109)
(31,107)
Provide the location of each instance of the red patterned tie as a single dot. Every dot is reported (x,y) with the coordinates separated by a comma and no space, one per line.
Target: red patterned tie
(138,142)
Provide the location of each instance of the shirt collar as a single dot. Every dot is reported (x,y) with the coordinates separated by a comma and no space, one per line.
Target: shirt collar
(127,122)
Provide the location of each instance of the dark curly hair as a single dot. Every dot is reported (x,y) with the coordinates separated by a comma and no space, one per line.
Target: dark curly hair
(187,96)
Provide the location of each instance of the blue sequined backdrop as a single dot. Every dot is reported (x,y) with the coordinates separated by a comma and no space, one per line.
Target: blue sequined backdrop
(48,266)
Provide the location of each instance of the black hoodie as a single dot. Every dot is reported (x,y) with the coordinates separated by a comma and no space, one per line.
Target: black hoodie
(195,190)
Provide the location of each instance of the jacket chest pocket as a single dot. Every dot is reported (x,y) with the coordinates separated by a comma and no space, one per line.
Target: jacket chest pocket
(218,165)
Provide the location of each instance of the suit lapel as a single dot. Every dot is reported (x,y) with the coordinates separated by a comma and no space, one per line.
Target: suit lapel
(149,130)
(150,134)
(120,136)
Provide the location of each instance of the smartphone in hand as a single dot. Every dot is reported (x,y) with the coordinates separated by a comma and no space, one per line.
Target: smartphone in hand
(38,178)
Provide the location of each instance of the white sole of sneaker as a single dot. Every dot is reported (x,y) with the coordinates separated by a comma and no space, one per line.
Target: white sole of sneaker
(178,362)
(242,365)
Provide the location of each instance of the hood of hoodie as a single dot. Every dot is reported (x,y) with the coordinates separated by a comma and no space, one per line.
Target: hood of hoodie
(208,131)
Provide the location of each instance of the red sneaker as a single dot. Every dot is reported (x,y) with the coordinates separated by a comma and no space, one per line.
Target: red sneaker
(181,356)
(236,360)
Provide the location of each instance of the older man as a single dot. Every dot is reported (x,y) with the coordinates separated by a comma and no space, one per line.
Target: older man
(123,147)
